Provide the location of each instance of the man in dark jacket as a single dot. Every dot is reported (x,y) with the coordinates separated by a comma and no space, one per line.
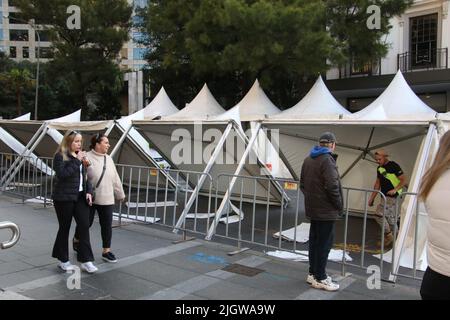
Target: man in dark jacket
(321,187)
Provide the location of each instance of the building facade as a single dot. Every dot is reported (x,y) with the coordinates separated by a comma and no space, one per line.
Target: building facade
(419,46)
(19,40)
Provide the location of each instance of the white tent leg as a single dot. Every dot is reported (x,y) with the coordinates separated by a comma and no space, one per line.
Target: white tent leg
(35,140)
(201,181)
(411,203)
(121,140)
(212,228)
(126,135)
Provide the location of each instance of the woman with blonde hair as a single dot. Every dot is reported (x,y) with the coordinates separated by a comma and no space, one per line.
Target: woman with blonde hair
(108,188)
(435,192)
(72,196)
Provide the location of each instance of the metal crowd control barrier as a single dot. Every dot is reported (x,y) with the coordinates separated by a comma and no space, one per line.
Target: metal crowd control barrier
(33,180)
(152,198)
(15,234)
(267,216)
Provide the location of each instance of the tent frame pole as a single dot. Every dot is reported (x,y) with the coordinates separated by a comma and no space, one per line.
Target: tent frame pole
(410,210)
(125,135)
(225,199)
(29,148)
(205,173)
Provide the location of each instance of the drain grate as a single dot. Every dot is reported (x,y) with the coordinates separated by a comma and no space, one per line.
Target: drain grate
(243,270)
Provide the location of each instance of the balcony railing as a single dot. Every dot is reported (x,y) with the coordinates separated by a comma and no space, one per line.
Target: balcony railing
(423,60)
(354,69)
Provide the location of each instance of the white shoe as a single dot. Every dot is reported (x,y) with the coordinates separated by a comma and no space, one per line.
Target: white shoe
(89,267)
(66,266)
(326,284)
(310,279)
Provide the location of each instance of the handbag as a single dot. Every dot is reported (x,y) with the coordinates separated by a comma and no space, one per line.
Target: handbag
(100,179)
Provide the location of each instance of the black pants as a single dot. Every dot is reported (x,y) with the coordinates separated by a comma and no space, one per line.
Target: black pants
(321,235)
(65,211)
(105,215)
(435,286)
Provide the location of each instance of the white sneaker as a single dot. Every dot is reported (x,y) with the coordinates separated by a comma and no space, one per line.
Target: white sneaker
(310,279)
(66,266)
(89,267)
(326,284)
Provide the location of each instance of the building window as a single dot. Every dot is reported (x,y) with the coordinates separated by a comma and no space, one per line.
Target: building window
(18,35)
(12,52)
(423,40)
(139,53)
(138,36)
(45,53)
(44,36)
(25,52)
(16,18)
(1,34)
(140,3)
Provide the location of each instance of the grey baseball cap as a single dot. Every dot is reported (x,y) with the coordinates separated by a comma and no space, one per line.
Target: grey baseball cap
(327,137)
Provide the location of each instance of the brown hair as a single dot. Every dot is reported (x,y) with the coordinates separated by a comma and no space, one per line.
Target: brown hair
(64,146)
(440,165)
(97,138)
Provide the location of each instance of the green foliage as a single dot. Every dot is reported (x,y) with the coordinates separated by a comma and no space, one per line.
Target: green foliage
(229,43)
(85,59)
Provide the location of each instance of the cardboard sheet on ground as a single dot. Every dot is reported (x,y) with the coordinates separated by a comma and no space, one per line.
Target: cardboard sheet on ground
(406,259)
(299,233)
(151,204)
(133,218)
(40,200)
(334,255)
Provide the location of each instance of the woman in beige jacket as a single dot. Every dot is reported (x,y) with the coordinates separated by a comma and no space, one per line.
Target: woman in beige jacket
(106,192)
(435,192)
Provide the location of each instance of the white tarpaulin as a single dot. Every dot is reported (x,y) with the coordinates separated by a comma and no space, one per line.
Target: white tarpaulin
(318,103)
(298,234)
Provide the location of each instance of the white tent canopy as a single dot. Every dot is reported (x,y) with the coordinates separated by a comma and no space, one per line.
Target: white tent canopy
(318,103)
(255,105)
(204,106)
(397,102)
(19,148)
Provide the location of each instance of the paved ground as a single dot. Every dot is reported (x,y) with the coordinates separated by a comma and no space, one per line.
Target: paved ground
(152,266)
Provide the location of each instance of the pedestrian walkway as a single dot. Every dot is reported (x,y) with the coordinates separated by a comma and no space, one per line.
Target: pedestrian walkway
(152,266)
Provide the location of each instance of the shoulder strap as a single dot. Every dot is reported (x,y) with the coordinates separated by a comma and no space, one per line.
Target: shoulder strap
(103,172)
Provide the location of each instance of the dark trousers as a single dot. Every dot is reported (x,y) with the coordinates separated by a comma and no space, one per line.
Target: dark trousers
(321,235)
(65,211)
(435,286)
(105,215)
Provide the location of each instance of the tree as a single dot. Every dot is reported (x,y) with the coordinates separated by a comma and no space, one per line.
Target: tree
(17,80)
(229,43)
(85,58)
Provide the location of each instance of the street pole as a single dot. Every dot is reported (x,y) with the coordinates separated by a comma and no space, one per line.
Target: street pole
(36,97)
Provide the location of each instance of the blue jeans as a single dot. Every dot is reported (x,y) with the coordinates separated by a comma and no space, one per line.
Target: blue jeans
(321,236)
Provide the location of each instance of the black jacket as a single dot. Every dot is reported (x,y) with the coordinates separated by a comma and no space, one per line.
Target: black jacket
(321,187)
(67,179)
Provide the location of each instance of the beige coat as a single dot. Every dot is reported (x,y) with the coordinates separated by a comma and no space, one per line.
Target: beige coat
(438,228)
(110,187)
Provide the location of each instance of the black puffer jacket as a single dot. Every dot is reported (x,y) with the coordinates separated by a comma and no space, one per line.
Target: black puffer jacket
(67,179)
(321,186)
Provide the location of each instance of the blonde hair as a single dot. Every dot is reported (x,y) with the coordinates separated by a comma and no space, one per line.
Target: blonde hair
(66,143)
(440,165)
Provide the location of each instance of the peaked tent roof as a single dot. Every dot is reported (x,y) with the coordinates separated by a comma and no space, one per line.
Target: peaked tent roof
(397,102)
(255,105)
(203,107)
(318,103)
(161,105)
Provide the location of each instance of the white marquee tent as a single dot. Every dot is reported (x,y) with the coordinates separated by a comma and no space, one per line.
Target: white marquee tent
(202,128)
(387,123)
